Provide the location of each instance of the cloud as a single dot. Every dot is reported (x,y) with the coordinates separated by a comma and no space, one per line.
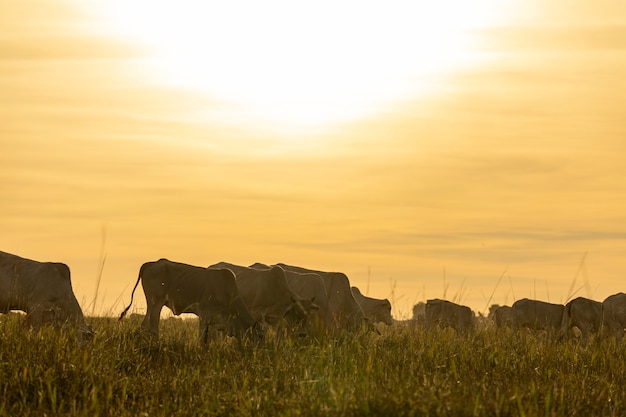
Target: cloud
(554,37)
(44,30)
(62,48)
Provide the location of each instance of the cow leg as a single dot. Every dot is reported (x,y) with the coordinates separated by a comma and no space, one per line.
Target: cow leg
(35,319)
(39,316)
(584,332)
(614,328)
(208,318)
(620,323)
(151,320)
(587,331)
(203,330)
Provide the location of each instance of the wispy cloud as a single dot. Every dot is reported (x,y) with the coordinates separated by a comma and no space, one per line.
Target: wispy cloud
(590,37)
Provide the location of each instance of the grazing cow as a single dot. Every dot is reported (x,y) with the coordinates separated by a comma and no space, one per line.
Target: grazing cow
(270,299)
(445,313)
(344,312)
(614,314)
(536,315)
(503,317)
(211,294)
(419,313)
(583,313)
(43,290)
(309,286)
(375,309)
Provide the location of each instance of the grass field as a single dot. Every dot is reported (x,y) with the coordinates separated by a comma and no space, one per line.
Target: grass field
(403,372)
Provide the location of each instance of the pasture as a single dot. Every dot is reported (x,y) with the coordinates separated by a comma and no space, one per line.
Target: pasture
(402,372)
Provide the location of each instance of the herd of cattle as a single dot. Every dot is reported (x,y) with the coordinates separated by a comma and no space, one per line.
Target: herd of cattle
(237,300)
(588,316)
(246,301)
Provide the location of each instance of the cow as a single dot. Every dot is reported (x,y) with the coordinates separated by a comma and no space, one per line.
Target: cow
(443,313)
(309,286)
(503,317)
(419,313)
(375,309)
(583,313)
(43,290)
(614,314)
(270,299)
(536,315)
(211,294)
(344,313)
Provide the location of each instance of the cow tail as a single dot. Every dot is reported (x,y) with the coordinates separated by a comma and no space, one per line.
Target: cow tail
(132,295)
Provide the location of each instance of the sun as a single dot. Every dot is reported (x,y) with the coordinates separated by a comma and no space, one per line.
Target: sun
(302,64)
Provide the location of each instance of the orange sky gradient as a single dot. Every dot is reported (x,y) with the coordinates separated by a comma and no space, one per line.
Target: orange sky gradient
(506,179)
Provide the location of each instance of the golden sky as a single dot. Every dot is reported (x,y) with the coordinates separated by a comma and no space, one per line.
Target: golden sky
(425,155)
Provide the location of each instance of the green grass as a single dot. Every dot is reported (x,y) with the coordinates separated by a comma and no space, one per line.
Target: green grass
(403,372)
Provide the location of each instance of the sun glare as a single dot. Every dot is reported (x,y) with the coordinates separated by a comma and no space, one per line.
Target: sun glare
(295,64)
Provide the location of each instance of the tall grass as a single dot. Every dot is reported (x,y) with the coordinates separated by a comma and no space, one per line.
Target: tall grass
(403,372)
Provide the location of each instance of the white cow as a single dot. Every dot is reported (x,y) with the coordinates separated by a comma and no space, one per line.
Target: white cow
(614,314)
(375,309)
(211,294)
(43,290)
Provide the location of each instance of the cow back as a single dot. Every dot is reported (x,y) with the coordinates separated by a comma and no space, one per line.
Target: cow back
(443,313)
(537,315)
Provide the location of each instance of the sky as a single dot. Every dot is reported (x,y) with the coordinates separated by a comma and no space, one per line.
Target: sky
(476,156)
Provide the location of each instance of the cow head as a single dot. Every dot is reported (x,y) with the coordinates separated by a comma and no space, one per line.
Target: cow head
(59,316)
(382,312)
(297,315)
